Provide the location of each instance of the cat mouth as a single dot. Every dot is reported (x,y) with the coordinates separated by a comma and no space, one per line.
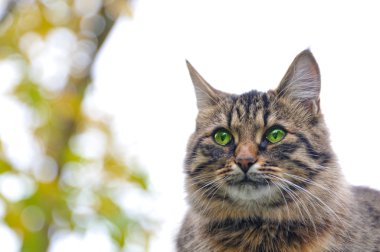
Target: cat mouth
(247,181)
(249,188)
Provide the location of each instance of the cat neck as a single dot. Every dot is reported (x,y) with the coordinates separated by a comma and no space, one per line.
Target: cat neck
(295,226)
(269,233)
(258,234)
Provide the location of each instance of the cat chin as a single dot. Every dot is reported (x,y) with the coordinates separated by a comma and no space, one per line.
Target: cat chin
(249,192)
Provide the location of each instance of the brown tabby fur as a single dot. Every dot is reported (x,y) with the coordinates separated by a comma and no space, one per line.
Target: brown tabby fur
(296,198)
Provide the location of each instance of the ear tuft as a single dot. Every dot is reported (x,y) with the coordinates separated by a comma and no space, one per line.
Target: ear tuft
(302,81)
(205,93)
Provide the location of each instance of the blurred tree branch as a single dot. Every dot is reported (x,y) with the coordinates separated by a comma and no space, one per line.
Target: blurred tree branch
(7,9)
(77,30)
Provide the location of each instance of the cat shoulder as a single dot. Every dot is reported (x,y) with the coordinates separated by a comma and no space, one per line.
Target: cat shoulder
(367,197)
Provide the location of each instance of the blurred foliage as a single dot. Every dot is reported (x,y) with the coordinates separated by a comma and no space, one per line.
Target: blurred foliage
(55,43)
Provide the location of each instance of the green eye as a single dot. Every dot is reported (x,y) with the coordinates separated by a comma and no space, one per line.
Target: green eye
(222,136)
(275,135)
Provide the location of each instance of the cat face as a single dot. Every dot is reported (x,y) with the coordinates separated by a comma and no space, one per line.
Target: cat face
(259,148)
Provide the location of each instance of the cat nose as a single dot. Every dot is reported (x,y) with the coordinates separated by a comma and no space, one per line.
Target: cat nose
(245,163)
(245,156)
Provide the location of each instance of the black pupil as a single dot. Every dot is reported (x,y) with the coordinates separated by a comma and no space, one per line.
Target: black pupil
(223,136)
(275,134)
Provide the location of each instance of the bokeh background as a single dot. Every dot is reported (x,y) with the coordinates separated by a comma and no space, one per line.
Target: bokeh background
(96,105)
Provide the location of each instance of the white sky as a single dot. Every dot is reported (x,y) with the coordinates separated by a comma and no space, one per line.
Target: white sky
(142,81)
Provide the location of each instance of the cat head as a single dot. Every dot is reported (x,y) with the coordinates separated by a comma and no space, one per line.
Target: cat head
(252,149)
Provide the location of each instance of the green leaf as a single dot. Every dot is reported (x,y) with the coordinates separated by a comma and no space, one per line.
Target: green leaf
(5,166)
(30,94)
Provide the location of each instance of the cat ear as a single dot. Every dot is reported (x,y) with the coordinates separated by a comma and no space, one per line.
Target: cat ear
(205,93)
(302,81)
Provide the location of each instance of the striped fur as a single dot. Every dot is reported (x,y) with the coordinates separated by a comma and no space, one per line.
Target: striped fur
(296,198)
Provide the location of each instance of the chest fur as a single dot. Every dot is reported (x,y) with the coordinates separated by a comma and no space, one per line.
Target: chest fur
(255,234)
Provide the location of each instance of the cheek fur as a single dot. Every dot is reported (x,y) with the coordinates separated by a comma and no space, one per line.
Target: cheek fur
(298,152)
(205,153)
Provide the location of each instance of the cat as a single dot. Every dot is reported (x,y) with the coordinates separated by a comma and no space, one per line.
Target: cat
(261,174)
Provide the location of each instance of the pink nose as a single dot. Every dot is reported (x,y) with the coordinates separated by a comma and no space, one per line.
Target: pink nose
(245,156)
(245,163)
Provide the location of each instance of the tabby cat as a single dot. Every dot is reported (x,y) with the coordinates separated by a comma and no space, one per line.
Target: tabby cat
(261,174)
